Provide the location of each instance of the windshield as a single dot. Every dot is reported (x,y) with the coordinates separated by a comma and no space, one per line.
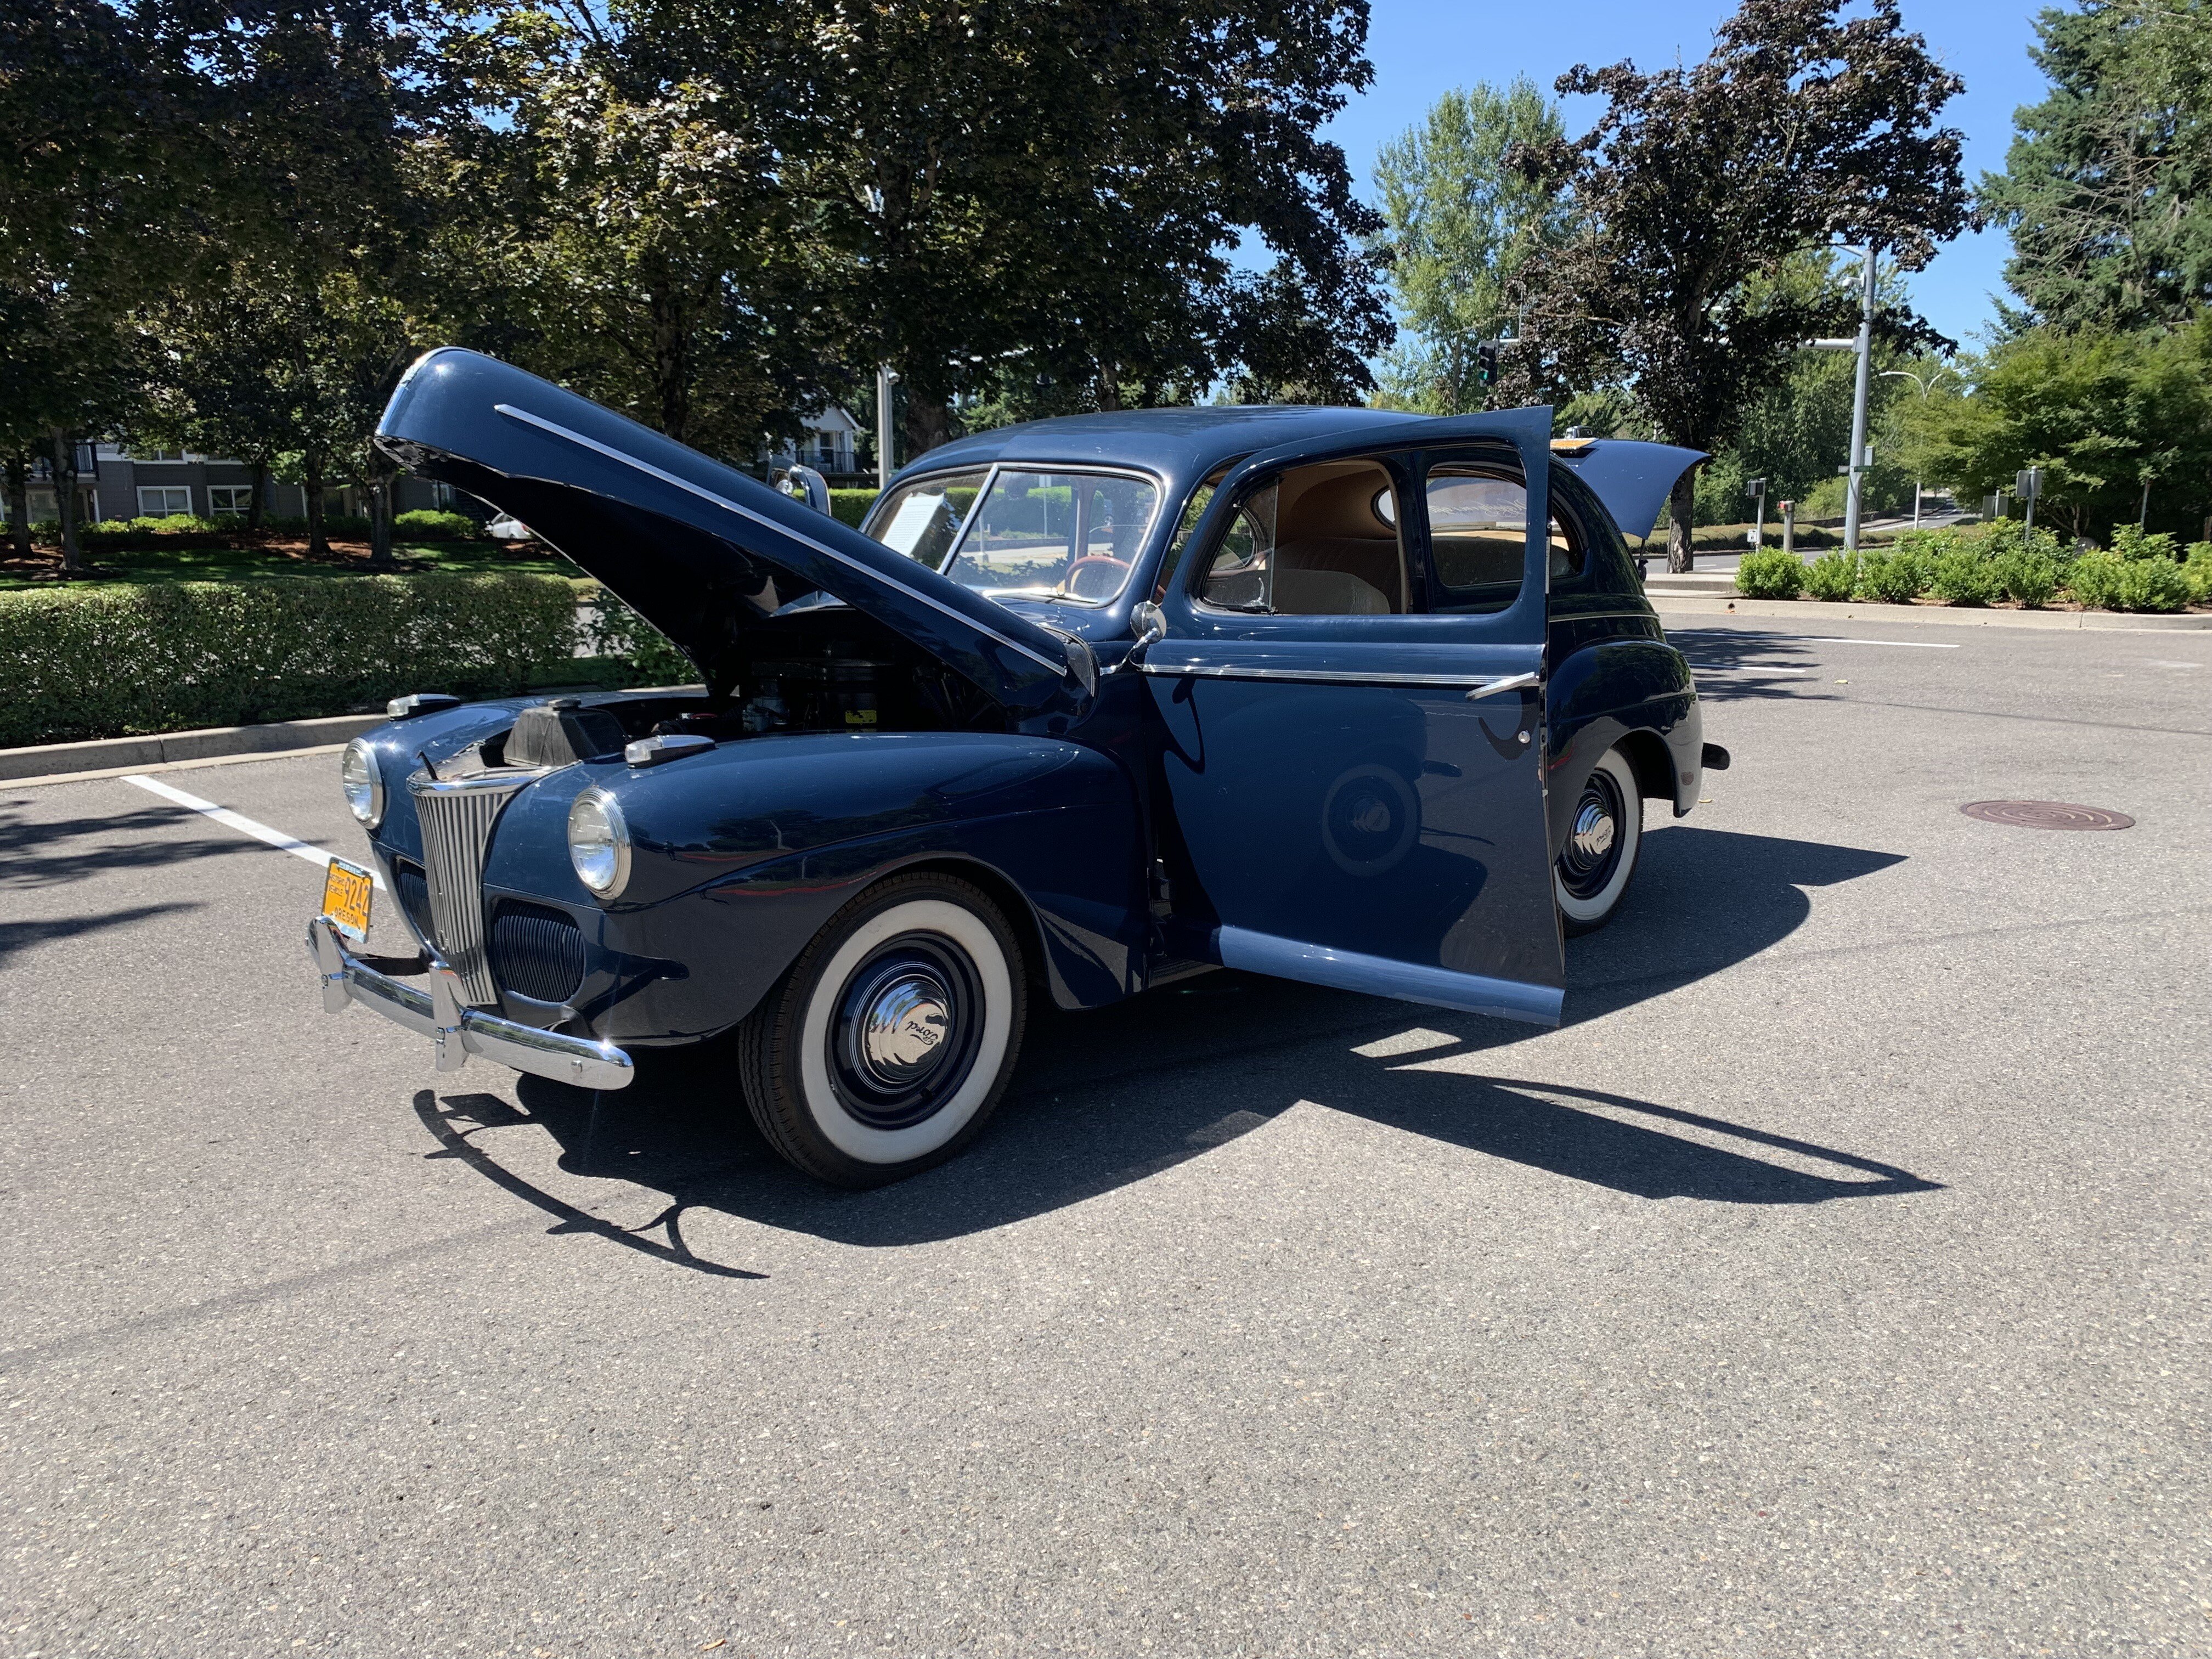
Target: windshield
(1032,534)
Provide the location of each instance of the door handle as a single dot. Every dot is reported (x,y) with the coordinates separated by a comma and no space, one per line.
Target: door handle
(1510,683)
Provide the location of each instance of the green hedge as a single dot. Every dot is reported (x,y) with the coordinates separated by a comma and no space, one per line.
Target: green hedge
(851,505)
(79,663)
(429,525)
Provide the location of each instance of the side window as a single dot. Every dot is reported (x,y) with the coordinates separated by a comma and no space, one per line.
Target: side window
(1478,534)
(1316,540)
(1194,510)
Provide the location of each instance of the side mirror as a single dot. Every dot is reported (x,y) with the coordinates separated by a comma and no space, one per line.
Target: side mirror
(1151,627)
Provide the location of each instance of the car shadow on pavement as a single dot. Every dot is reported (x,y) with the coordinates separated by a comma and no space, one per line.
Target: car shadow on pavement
(1108,1097)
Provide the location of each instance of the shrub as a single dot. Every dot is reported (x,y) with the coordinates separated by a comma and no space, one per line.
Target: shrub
(851,505)
(2152,584)
(2130,543)
(2093,579)
(101,662)
(1832,576)
(1770,574)
(1893,578)
(175,530)
(2031,578)
(614,631)
(1960,574)
(426,525)
(2197,573)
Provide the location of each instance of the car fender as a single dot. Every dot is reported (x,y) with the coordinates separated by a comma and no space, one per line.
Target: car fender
(1636,692)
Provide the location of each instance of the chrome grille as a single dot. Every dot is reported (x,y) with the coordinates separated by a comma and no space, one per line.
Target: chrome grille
(456,815)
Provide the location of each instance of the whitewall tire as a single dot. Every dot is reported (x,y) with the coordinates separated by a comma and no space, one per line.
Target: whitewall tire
(1604,836)
(889,1042)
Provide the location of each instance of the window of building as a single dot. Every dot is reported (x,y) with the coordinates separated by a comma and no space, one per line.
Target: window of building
(230,501)
(159,500)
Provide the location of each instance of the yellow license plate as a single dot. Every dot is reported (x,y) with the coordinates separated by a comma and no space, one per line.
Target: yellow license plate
(347,889)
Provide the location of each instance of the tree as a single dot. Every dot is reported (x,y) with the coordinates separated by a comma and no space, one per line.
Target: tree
(2106,186)
(1802,127)
(2120,421)
(1462,224)
(1058,185)
(97,150)
(622,226)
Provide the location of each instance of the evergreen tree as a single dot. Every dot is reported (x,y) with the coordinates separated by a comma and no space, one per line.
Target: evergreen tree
(2105,187)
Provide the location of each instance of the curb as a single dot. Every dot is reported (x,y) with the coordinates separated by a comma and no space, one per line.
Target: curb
(1945,615)
(105,754)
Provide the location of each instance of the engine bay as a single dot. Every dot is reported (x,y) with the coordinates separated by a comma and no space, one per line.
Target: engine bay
(825,669)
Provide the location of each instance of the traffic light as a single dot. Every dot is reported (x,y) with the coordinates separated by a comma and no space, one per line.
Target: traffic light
(1485,362)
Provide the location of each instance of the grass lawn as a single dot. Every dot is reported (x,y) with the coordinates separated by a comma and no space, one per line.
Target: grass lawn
(243,561)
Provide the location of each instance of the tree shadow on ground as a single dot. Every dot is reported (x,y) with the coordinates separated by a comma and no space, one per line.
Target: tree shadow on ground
(1735,664)
(1106,1098)
(49,852)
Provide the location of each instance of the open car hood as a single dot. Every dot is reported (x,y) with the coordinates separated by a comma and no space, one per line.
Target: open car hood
(703,552)
(1631,478)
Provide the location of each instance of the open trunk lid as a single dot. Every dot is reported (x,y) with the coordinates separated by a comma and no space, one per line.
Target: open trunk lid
(703,552)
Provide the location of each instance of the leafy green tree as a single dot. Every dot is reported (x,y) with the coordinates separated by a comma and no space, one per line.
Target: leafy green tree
(98,148)
(1461,223)
(2120,421)
(623,226)
(2106,186)
(1066,180)
(1803,126)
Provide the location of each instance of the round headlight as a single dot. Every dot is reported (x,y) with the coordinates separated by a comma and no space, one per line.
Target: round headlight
(363,782)
(598,842)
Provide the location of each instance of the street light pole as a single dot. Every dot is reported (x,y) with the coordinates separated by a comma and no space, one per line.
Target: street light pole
(1851,499)
(883,469)
(1908,374)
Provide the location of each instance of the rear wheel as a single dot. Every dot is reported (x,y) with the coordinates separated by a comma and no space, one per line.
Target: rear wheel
(1603,838)
(888,1043)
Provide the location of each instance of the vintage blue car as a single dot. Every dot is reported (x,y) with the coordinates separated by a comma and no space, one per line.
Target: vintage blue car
(1092,704)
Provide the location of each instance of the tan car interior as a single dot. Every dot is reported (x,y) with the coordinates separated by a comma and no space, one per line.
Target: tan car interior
(1333,553)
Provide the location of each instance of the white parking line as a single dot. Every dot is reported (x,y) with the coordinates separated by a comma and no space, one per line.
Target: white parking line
(1909,645)
(240,822)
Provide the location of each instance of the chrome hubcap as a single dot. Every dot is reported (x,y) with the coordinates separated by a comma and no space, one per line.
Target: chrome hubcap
(1592,838)
(904,1028)
(906,1031)
(1592,851)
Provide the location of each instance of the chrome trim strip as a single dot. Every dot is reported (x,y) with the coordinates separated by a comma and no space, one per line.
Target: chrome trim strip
(1332,677)
(1349,970)
(583,1061)
(767,523)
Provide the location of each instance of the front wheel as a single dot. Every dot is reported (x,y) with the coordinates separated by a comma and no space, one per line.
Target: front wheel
(1603,838)
(888,1043)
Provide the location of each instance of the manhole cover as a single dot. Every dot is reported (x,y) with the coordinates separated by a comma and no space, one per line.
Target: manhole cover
(2046,815)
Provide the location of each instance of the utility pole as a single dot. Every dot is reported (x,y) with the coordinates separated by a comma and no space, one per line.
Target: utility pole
(884,468)
(1857,472)
(2027,486)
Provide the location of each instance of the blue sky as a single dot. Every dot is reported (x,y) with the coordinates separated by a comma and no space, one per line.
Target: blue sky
(1423,48)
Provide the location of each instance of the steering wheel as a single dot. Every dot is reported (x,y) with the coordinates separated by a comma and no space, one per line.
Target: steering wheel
(1068,583)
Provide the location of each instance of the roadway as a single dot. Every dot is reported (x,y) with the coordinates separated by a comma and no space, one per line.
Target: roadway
(1832,1282)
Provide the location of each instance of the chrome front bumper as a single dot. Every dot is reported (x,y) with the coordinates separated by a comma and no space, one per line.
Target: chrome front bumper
(459,1031)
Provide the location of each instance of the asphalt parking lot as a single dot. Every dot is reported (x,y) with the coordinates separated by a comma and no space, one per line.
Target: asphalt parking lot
(1832,1283)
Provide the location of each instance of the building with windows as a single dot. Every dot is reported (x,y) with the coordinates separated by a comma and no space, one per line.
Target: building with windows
(115,482)
(826,443)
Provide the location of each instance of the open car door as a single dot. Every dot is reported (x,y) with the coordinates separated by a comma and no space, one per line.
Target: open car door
(699,549)
(1353,745)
